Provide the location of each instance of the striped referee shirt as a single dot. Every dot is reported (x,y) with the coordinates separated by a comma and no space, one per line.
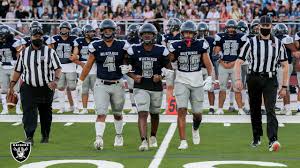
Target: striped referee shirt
(37,66)
(263,55)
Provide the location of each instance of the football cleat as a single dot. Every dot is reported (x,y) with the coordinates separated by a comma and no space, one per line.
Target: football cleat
(183,145)
(84,111)
(118,140)
(211,111)
(220,112)
(153,142)
(196,136)
(4,112)
(98,144)
(144,146)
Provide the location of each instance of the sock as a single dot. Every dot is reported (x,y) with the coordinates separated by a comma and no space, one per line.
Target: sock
(18,106)
(144,138)
(61,99)
(212,107)
(75,98)
(132,98)
(231,97)
(241,110)
(4,104)
(196,124)
(263,107)
(99,127)
(153,134)
(118,126)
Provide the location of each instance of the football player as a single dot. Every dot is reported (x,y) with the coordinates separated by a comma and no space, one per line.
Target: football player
(76,31)
(9,51)
(108,54)
(281,32)
(173,28)
(229,44)
(63,44)
(79,57)
(203,35)
(132,37)
(189,85)
(147,60)
(26,41)
(297,43)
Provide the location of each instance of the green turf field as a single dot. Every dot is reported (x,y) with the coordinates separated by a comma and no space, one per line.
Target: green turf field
(217,143)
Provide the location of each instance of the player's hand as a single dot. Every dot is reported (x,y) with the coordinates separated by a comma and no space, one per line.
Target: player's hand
(282,93)
(73,57)
(52,85)
(297,54)
(208,84)
(137,78)
(167,73)
(125,69)
(239,85)
(157,78)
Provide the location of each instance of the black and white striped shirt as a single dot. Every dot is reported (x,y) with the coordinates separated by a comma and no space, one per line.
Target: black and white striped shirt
(263,55)
(37,66)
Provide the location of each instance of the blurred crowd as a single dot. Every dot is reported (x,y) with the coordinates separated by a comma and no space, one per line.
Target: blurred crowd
(209,10)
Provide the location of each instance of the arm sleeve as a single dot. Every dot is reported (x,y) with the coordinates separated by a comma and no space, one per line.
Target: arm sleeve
(55,60)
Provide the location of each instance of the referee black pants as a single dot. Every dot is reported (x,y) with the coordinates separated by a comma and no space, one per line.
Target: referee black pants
(36,99)
(258,86)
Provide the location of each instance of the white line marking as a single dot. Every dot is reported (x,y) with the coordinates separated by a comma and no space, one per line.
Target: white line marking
(17,123)
(227,124)
(163,147)
(68,124)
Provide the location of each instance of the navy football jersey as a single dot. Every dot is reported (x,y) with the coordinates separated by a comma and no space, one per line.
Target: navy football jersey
(8,51)
(134,40)
(147,64)
(169,38)
(159,39)
(285,39)
(27,40)
(109,59)
(63,48)
(230,45)
(189,58)
(83,47)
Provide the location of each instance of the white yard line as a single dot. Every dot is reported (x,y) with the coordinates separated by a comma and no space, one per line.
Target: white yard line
(68,124)
(163,147)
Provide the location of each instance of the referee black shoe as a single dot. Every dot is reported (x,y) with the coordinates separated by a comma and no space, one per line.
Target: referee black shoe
(29,140)
(45,140)
(256,142)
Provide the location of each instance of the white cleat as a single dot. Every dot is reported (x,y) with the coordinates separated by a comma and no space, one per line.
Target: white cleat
(219,112)
(183,145)
(84,111)
(118,140)
(4,112)
(153,142)
(76,111)
(19,111)
(133,110)
(288,113)
(241,112)
(196,136)
(98,144)
(70,109)
(60,111)
(144,146)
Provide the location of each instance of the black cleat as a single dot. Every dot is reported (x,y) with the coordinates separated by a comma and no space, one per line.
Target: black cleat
(29,140)
(45,140)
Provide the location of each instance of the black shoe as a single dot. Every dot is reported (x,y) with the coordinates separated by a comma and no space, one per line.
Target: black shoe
(277,108)
(211,111)
(45,140)
(29,140)
(256,142)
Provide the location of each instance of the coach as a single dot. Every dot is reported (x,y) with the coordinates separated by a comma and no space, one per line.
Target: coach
(264,52)
(40,69)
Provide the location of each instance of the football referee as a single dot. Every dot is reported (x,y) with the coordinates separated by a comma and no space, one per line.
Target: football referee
(264,52)
(40,69)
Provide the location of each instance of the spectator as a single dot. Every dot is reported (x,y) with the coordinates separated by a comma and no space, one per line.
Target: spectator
(148,13)
(256,13)
(4,8)
(159,12)
(171,11)
(213,16)
(119,12)
(224,16)
(248,14)
(21,13)
(269,11)
(236,13)
(282,14)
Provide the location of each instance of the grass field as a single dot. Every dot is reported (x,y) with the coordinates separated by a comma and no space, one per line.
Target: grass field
(217,143)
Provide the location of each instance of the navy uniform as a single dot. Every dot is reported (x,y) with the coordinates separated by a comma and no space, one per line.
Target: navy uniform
(147,93)
(169,38)
(8,58)
(64,50)
(230,47)
(134,40)
(108,87)
(189,79)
